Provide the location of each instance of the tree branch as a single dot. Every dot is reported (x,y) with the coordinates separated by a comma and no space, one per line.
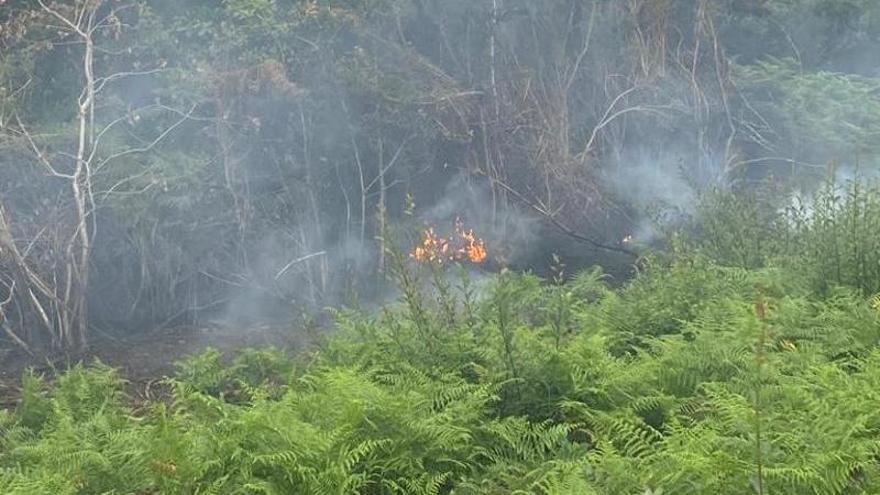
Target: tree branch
(40,155)
(103,81)
(54,13)
(148,147)
(550,217)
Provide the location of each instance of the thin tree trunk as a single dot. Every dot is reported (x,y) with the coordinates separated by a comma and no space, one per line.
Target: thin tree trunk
(381,212)
(79,248)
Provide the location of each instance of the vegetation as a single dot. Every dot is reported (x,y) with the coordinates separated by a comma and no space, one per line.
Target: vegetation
(700,375)
(169,162)
(161,161)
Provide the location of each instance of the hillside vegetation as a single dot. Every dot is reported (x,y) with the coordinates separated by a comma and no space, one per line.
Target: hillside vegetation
(175,162)
(729,365)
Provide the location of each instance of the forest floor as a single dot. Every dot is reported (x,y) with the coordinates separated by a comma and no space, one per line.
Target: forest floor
(143,360)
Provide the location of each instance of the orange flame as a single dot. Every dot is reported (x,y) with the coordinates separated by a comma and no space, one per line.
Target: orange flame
(473,249)
(463,245)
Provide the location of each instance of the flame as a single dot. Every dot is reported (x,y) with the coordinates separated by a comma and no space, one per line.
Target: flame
(627,239)
(462,245)
(473,249)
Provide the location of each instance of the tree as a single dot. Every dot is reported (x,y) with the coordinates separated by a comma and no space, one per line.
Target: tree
(58,290)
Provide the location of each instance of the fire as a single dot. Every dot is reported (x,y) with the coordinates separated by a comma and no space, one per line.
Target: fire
(473,248)
(462,245)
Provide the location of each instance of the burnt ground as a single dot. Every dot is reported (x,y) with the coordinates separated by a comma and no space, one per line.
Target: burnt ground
(143,360)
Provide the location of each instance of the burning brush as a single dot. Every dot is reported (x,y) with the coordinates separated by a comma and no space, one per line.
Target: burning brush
(463,245)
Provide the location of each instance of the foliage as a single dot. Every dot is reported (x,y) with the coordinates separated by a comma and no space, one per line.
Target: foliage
(310,122)
(693,377)
(838,107)
(743,359)
(820,240)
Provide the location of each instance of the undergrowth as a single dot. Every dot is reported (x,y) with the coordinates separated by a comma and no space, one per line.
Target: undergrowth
(749,370)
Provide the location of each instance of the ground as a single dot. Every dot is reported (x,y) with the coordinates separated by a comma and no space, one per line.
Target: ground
(145,359)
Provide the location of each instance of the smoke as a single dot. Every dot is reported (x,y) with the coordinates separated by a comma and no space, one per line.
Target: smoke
(287,276)
(659,184)
(287,279)
(651,177)
(803,200)
(303,161)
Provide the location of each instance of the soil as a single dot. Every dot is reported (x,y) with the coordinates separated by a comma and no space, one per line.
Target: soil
(143,360)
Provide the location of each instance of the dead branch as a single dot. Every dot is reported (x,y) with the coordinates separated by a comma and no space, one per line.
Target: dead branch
(149,146)
(551,217)
(41,156)
(298,260)
(9,332)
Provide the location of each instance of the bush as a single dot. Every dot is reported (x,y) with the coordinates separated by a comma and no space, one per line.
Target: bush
(698,376)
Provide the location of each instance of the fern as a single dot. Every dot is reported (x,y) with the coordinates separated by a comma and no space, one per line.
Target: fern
(535,387)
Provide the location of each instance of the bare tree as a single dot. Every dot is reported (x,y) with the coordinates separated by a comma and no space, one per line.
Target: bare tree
(59,295)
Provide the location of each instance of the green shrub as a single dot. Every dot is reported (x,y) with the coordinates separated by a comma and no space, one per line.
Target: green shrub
(697,376)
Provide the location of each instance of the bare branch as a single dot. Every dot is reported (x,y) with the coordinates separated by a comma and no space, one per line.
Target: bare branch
(308,42)
(298,260)
(148,147)
(33,242)
(103,22)
(181,113)
(39,307)
(100,82)
(551,217)
(40,155)
(783,159)
(577,64)
(101,134)
(8,300)
(11,334)
(54,13)
(619,113)
(388,167)
(21,88)
(605,119)
(114,123)
(130,178)
(15,338)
